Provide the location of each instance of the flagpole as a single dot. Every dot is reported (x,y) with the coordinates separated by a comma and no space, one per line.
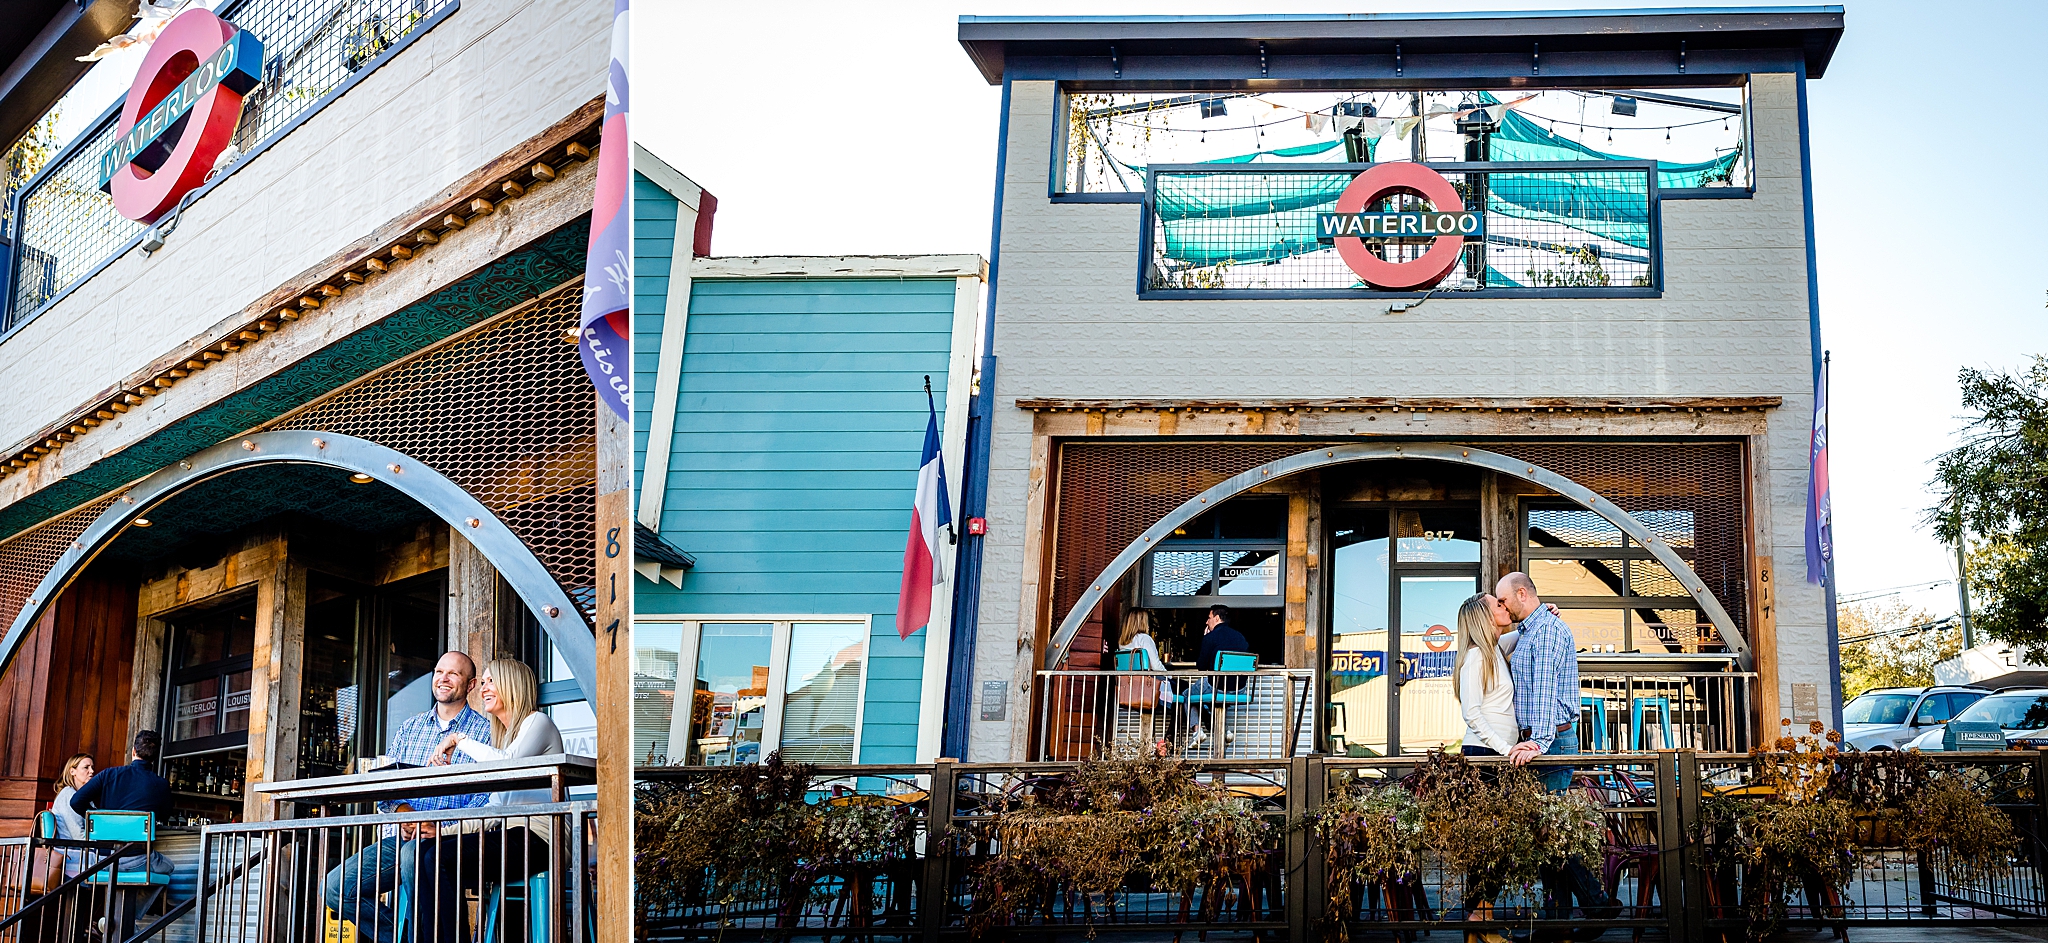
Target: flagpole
(1828,584)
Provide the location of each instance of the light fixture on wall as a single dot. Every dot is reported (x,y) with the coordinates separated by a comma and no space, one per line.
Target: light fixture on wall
(1624,105)
(361,479)
(143,522)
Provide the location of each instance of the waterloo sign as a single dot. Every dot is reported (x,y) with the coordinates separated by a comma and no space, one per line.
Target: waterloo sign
(1445,228)
(180,113)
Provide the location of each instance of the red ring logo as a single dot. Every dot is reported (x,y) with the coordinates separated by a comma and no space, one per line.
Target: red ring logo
(180,113)
(1437,637)
(1428,269)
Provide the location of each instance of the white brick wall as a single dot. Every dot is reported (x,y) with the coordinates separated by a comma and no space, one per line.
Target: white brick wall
(1733,320)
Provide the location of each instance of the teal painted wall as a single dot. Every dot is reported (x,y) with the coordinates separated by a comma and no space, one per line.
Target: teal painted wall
(798,431)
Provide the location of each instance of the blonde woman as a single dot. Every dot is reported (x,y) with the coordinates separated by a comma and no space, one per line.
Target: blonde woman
(1137,637)
(77,771)
(508,692)
(512,846)
(1479,673)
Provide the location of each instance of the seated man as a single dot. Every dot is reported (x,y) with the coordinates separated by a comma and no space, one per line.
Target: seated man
(132,788)
(355,889)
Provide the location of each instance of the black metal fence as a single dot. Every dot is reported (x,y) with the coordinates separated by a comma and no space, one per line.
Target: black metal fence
(1545,227)
(1659,859)
(64,225)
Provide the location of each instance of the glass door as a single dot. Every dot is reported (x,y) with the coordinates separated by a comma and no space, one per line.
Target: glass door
(1404,570)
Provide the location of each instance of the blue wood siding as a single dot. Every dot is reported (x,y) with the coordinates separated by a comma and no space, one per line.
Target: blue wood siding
(798,430)
(654,245)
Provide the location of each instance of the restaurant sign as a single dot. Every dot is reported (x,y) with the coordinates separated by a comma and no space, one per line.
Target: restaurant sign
(1444,228)
(180,113)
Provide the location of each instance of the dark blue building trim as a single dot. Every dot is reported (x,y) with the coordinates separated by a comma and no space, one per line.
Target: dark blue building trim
(1813,313)
(974,488)
(1645,69)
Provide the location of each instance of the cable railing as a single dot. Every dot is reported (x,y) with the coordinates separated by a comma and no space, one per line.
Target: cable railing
(65,227)
(1528,228)
(1261,714)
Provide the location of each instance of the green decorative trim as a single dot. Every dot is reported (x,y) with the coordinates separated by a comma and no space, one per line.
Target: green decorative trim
(506,282)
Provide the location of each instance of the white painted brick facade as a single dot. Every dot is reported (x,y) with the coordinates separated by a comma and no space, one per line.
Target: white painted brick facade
(1733,320)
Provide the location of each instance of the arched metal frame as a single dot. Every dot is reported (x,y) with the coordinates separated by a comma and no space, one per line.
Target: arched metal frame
(536,587)
(1345,454)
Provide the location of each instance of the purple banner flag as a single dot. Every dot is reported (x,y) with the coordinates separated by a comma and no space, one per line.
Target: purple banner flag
(608,272)
(1820,531)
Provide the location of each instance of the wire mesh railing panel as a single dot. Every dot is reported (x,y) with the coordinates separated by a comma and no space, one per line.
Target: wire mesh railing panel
(507,413)
(67,225)
(1263,227)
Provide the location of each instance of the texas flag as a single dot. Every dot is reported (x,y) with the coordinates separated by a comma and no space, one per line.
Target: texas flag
(1820,530)
(929,512)
(608,272)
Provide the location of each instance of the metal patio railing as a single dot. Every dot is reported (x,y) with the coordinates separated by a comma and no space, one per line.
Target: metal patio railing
(64,226)
(1547,228)
(1656,859)
(1262,714)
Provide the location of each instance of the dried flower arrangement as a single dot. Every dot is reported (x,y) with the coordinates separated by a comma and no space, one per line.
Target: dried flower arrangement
(1808,811)
(1129,818)
(1496,825)
(752,836)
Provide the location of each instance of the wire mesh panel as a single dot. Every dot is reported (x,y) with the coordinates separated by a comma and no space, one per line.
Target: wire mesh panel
(27,557)
(1262,227)
(507,413)
(67,224)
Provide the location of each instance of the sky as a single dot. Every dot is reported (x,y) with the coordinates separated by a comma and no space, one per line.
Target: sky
(1923,103)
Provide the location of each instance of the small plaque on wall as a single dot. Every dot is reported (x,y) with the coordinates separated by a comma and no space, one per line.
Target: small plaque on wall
(1805,703)
(995,700)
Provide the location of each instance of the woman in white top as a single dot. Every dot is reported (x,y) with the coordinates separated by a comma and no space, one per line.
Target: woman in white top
(508,691)
(70,825)
(1486,694)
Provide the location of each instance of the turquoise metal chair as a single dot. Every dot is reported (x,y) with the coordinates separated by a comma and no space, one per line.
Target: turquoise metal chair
(1226,661)
(125,827)
(1662,705)
(535,891)
(1134,659)
(1597,706)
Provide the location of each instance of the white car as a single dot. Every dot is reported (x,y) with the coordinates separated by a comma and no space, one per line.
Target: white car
(1890,718)
(2021,714)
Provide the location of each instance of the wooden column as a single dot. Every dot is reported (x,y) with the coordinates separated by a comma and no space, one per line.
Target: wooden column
(146,685)
(1763,610)
(614,706)
(472,600)
(1304,546)
(275,676)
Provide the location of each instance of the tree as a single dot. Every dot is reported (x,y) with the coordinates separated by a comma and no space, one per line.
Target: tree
(1898,659)
(1994,487)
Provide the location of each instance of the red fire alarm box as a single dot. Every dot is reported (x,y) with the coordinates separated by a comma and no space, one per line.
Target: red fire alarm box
(977,525)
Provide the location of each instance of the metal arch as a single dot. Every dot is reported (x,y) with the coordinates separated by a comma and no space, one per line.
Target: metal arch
(1338,455)
(536,587)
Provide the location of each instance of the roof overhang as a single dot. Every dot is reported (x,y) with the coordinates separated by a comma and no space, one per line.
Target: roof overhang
(1674,46)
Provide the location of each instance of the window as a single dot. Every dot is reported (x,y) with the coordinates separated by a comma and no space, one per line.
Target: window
(1234,555)
(208,682)
(1934,709)
(1616,597)
(1698,136)
(729,691)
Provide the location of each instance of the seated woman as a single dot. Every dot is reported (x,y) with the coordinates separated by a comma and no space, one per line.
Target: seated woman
(77,772)
(508,691)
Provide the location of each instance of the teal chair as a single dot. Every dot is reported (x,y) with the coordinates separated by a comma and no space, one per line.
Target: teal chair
(1597,706)
(1216,698)
(1662,705)
(1134,659)
(116,826)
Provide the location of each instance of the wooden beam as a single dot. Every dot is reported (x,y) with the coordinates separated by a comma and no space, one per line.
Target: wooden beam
(1483,403)
(276,669)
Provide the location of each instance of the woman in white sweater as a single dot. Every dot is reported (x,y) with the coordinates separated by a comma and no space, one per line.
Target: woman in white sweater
(514,846)
(1479,673)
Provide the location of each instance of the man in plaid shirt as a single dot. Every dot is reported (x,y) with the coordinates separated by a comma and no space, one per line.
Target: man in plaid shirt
(355,890)
(1545,668)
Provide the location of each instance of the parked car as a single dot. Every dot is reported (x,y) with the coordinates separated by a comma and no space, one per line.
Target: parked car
(1889,718)
(2021,713)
